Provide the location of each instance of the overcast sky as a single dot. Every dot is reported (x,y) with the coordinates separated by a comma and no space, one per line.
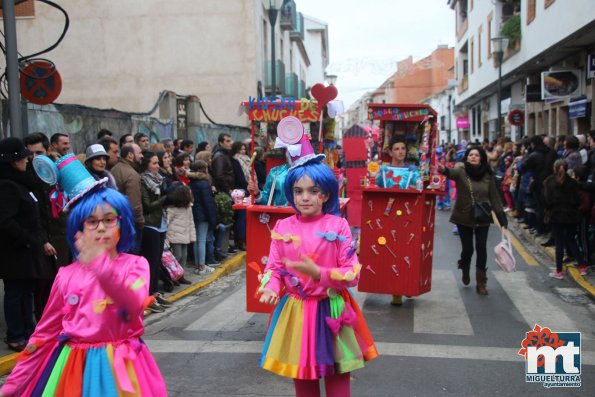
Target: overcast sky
(368,37)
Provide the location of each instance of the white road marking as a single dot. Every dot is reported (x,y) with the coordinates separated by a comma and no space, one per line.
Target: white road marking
(508,354)
(229,315)
(442,311)
(535,307)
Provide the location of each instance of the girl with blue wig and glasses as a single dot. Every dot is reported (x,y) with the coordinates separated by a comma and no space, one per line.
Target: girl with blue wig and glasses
(316,329)
(87,342)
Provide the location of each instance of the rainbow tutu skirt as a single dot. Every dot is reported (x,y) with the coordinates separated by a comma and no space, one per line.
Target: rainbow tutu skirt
(124,368)
(316,337)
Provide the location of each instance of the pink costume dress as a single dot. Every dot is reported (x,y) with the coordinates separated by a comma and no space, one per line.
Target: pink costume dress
(317,328)
(88,339)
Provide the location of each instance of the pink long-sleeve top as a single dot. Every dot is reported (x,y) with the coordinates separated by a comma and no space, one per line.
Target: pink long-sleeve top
(326,239)
(96,304)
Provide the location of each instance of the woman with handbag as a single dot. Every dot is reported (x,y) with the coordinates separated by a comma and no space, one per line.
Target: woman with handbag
(477,196)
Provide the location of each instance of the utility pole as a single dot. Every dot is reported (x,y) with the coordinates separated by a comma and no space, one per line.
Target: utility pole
(12,69)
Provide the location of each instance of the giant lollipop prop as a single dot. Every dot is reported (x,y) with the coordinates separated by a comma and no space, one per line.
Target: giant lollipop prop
(323,96)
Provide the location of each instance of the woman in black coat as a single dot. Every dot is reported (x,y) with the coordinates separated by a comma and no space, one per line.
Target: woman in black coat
(561,197)
(22,242)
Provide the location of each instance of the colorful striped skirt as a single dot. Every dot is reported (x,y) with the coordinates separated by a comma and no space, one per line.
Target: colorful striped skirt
(316,337)
(125,368)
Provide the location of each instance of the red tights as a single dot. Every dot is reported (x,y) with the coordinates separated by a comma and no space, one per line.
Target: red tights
(334,385)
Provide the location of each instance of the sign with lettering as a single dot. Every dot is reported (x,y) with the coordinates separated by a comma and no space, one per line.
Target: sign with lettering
(394,113)
(275,108)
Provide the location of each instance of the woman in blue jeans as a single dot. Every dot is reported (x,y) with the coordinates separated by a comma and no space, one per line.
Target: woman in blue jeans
(204,212)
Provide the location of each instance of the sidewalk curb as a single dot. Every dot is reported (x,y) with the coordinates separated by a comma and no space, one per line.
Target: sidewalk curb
(8,361)
(572,271)
(229,266)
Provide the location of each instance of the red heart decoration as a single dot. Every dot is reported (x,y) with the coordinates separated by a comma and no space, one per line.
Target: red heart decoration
(323,95)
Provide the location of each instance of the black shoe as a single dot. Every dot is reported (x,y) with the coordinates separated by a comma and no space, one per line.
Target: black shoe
(184,281)
(549,243)
(163,301)
(156,308)
(17,346)
(232,250)
(176,283)
(567,259)
(220,257)
(168,286)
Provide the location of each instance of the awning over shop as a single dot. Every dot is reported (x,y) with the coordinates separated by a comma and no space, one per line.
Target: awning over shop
(577,107)
(463,123)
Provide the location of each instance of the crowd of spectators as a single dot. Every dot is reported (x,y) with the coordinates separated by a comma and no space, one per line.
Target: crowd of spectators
(179,198)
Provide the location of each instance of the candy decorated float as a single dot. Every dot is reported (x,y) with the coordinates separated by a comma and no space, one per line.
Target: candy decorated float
(398,203)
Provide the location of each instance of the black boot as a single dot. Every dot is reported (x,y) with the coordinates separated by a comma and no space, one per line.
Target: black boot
(465,268)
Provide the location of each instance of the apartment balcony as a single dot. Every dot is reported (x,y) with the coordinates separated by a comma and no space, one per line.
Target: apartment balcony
(302,93)
(291,85)
(288,16)
(279,78)
(464,85)
(298,32)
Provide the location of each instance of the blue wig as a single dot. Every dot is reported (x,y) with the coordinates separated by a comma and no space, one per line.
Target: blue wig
(87,205)
(323,177)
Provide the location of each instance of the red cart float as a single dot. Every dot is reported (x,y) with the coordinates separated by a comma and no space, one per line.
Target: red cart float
(397,225)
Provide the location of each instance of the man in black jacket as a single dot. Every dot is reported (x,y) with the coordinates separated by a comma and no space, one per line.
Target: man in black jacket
(222,168)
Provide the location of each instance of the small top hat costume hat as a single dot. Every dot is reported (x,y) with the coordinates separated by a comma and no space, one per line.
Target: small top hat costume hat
(70,174)
(12,149)
(290,135)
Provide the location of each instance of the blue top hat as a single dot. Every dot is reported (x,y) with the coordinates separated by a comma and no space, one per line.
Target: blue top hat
(70,174)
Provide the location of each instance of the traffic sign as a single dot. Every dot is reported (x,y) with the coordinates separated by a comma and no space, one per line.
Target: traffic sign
(41,83)
(516,117)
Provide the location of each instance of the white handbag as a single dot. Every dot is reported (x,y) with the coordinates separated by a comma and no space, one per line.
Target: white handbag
(504,255)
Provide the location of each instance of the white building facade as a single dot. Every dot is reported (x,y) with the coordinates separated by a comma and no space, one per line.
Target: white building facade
(546,35)
(122,54)
(442,103)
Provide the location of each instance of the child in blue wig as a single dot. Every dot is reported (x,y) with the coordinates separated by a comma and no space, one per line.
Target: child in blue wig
(311,257)
(88,339)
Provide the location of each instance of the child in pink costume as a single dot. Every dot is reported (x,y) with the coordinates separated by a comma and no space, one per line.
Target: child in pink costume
(87,342)
(317,329)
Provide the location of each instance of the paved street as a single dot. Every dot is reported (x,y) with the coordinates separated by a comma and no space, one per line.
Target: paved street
(449,342)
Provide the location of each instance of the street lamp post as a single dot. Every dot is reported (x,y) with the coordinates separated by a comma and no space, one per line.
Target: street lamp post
(499,44)
(273,8)
(331,79)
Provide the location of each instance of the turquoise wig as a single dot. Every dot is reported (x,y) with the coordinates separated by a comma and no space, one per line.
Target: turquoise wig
(323,177)
(85,207)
